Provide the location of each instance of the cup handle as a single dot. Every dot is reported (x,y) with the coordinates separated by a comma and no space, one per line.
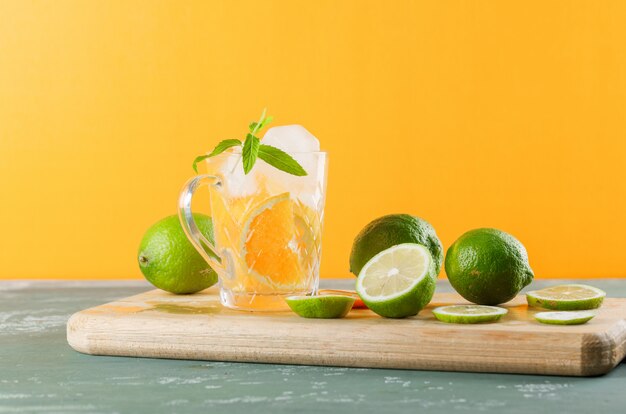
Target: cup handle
(203,245)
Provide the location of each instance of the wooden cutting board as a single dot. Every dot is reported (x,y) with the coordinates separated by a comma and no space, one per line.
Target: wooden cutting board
(156,324)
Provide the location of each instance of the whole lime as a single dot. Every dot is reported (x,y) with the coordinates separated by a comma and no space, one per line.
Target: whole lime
(488,266)
(391,230)
(169,261)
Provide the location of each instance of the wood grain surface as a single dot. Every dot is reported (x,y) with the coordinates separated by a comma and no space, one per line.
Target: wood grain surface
(156,324)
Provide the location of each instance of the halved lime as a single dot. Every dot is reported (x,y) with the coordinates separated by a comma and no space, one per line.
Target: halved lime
(399,281)
(564,318)
(567,297)
(468,313)
(322,307)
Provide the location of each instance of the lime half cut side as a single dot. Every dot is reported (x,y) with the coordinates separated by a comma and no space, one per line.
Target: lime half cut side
(566,297)
(469,313)
(399,281)
(321,307)
(564,318)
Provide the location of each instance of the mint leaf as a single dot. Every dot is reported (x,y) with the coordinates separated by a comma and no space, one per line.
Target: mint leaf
(224,145)
(197,160)
(280,159)
(257,126)
(219,148)
(250,152)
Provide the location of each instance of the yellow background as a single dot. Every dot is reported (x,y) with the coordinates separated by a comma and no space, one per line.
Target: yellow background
(469,114)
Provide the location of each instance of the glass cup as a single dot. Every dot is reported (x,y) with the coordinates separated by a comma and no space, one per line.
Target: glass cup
(267,228)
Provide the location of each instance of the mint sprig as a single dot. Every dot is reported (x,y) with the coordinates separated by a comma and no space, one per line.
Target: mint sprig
(281,160)
(253,149)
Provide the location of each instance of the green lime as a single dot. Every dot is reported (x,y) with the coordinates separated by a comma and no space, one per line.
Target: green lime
(322,307)
(564,318)
(390,230)
(169,261)
(566,297)
(398,282)
(468,313)
(488,266)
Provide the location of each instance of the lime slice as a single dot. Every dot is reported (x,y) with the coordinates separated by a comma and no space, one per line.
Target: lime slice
(398,282)
(468,313)
(566,297)
(322,307)
(564,318)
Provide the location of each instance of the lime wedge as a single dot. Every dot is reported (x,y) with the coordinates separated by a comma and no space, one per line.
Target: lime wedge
(358,303)
(564,318)
(566,297)
(468,313)
(322,307)
(399,281)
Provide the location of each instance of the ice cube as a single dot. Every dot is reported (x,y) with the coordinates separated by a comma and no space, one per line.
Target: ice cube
(302,146)
(291,139)
(297,142)
(236,182)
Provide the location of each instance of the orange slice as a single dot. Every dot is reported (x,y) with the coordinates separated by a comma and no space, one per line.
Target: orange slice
(269,245)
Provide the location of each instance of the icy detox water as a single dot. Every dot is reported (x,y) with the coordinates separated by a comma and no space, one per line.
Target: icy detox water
(268,223)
